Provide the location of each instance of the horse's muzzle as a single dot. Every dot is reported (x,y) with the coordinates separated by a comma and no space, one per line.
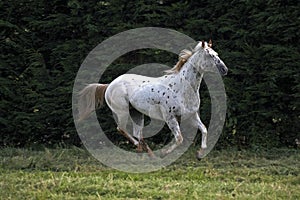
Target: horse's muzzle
(222,68)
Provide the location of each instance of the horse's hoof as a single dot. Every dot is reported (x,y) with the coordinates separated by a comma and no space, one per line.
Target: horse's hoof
(200,154)
(139,149)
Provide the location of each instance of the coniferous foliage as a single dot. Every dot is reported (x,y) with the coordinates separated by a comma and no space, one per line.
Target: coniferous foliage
(44,42)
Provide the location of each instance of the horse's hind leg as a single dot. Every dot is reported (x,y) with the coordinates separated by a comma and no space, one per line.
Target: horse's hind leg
(116,99)
(128,136)
(122,122)
(137,119)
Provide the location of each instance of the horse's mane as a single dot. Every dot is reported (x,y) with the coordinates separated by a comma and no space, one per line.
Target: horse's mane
(183,57)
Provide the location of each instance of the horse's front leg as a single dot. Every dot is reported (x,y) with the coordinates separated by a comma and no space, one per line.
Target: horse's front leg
(196,122)
(174,127)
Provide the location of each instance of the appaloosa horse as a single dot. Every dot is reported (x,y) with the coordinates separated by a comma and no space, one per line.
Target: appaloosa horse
(169,98)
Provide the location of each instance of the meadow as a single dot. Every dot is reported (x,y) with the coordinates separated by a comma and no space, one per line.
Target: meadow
(72,173)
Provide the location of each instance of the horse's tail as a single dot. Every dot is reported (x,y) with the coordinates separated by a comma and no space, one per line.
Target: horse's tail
(91,98)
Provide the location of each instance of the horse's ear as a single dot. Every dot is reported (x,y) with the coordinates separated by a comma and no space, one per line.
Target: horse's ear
(210,43)
(203,43)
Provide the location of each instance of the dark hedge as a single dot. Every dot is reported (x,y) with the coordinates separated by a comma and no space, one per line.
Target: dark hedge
(44,42)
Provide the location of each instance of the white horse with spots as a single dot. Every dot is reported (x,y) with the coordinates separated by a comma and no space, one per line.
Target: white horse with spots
(169,98)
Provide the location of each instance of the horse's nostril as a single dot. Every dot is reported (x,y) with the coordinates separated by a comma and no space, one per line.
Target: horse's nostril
(225,71)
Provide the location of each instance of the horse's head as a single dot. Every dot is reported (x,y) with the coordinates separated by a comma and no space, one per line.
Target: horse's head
(209,58)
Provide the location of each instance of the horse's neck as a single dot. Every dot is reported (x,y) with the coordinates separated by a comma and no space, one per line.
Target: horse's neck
(186,79)
(191,75)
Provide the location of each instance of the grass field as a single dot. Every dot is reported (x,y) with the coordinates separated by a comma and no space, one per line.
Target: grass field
(73,174)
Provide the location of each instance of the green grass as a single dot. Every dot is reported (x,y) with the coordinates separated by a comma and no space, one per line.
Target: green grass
(73,174)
